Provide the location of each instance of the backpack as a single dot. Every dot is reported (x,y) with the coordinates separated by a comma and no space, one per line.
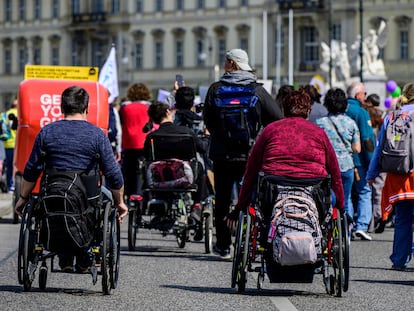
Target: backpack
(397,144)
(171,173)
(69,202)
(4,128)
(294,232)
(238,118)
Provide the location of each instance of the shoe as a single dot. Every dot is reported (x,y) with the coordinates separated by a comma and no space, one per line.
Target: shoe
(380,227)
(67,269)
(223,253)
(363,235)
(352,237)
(398,268)
(81,269)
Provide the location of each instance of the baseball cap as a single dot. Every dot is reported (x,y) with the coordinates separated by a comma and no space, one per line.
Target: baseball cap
(240,57)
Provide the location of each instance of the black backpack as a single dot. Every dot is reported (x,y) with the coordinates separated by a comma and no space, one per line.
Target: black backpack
(238,118)
(69,202)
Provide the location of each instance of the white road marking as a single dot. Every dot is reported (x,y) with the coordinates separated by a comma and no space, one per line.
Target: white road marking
(283,304)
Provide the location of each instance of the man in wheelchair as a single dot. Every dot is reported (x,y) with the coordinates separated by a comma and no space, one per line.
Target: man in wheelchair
(179,142)
(72,146)
(292,153)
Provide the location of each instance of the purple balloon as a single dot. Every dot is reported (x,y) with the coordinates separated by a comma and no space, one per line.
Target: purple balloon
(388,102)
(391,86)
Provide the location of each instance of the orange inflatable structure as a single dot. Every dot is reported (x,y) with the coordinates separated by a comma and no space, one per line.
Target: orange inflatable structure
(39,104)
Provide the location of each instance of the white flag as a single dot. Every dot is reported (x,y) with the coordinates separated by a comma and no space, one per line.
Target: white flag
(109,75)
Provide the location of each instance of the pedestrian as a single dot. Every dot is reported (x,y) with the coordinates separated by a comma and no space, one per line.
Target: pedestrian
(10,144)
(343,133)
(229,162)
(134,118)
(73,144)
(397,192)
(283,91)
(317,109)
(363,195)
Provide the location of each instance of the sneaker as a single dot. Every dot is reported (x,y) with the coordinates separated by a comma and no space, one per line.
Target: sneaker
(363,235)
(223,253)
(380,227)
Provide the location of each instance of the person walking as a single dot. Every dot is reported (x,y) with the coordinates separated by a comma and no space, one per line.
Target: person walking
(343,133)
(229,164)
(397,191)
(356,96)
(10,144)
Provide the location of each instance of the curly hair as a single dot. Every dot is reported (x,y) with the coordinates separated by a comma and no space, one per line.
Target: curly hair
(138,91)
(407,95)
(335,101)
(297,104)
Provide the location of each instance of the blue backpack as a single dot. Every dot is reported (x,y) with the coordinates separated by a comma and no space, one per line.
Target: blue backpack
(4,128)
(238,117)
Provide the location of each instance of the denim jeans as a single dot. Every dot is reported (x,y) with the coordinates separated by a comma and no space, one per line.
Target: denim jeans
(403,233)
(347,181)
(364,201)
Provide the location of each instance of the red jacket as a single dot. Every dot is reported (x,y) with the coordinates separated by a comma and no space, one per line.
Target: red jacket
(133,118)
(292,147)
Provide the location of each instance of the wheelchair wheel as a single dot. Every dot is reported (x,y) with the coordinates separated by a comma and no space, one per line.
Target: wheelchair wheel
(345,244)
(182,235)
(43,276)
(338,257)
(20,253)
(241,253)
(208,233)
(110,249)
(132,229)
(28,255)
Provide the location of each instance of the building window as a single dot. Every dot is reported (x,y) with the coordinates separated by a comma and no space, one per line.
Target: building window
(139,6)
(75,7)
(98,58)
(158,54)
(8,10)
(244,44)
(7,60)
(138,55)
(221,50)
(404,45)
(22,58)
(37,9)
(221,3)
(337,32)
(179,53)
(98,6)
(201,54)
(74,53)
(22,9)
(158,6)
(244,2)
(55,56)
(55,9)
(115,6)
(179,5)
(310,50)
(200,4)
(37,56)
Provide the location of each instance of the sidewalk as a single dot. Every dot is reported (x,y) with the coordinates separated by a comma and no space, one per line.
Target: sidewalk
(6,205)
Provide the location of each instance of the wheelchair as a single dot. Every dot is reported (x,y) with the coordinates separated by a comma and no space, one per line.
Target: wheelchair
(253,253)
(104,250)
(168,209)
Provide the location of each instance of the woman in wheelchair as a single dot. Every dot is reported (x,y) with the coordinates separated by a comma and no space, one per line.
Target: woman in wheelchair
(73,144)
(292,148)
(172,143)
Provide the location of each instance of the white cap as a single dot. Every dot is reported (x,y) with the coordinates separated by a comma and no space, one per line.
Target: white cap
(240,57)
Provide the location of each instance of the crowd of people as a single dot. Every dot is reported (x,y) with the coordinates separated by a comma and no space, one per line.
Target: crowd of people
(300,134)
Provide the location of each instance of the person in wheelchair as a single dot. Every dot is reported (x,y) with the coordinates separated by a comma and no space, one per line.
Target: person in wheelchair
(291,148)
(68,145)
(161,114)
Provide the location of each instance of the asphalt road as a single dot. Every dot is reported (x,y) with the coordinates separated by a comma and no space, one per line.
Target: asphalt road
(161,276)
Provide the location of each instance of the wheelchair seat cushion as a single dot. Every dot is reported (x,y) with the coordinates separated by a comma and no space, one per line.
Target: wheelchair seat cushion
(169,174)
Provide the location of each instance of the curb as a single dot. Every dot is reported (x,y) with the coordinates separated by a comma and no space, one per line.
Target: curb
(6,208)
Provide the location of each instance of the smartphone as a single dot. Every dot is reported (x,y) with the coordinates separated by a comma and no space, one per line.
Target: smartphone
(179,79)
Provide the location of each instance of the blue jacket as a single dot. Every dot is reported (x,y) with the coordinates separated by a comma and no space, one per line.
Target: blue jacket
(361,117)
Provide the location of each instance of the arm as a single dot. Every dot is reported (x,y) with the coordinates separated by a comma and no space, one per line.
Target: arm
(333,169)
(270,111)
(118,196)
(26,190)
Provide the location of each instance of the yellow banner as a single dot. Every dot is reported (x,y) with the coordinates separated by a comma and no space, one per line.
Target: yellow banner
(61,72)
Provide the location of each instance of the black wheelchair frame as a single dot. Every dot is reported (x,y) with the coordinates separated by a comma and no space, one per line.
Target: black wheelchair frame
(168,210)
(104,250)
(252,252)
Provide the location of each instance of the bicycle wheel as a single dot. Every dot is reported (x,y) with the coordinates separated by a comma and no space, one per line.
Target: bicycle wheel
(338,257)
(132,229)
(105,252)
(208,233)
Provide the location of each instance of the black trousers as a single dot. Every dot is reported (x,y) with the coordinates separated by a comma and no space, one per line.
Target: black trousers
(133,173)
(225,174)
